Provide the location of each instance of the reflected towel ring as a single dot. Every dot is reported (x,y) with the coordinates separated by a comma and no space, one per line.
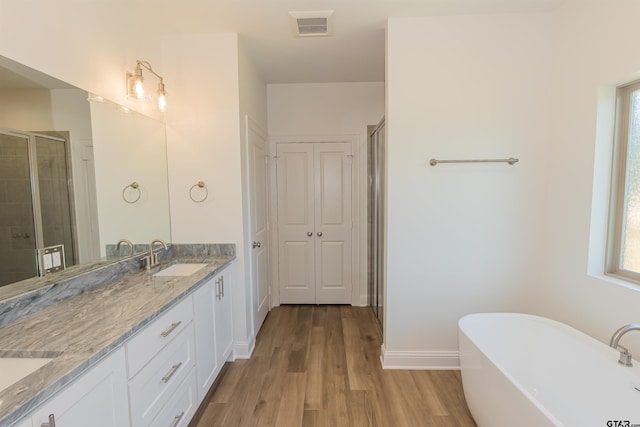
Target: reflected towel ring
(135,186)
(199,184)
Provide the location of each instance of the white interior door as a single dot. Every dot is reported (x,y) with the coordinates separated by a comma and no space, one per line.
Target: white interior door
(296,251)
(314,223)
(258,178)
(332,167)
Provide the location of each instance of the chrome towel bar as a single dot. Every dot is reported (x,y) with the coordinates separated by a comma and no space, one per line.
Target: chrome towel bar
(510,160)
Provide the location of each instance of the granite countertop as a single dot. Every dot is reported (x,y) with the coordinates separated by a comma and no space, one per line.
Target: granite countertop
(81,330)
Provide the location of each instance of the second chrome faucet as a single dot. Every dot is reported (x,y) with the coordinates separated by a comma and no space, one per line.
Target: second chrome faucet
(151,260)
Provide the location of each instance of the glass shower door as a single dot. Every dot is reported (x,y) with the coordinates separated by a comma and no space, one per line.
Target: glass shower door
(375,218)
(55,202)
(17,224)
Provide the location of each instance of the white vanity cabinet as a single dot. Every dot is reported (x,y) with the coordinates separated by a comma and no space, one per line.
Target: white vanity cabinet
(213,328)
(224,316)
(160,375)
(161,361)
(97,399)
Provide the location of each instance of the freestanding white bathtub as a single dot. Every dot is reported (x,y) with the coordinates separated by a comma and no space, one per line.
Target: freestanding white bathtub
(523,370)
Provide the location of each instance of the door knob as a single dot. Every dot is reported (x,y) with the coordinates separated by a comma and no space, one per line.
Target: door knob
(256,244)
(309,233)
(319,233)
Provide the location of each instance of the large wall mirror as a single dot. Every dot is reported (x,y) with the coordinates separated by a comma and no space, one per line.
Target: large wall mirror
(77,172)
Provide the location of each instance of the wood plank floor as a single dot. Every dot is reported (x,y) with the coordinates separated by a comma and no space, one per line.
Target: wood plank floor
(320,366)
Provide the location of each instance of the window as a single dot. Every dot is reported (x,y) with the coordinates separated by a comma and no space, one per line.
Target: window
(624,236)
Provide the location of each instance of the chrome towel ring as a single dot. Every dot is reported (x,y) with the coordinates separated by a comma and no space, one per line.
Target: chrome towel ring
(199,184)
(134,187)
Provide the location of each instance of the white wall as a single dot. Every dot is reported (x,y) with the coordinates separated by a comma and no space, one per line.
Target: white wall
(592,53)
(253,90)
(324,108)
(462,238)
(203,135)
(26,110)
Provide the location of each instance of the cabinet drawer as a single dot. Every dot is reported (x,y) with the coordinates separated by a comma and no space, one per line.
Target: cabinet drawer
(148,342)
(182,405)
(158,380)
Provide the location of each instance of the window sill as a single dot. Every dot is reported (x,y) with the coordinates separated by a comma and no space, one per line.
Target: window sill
(615,279)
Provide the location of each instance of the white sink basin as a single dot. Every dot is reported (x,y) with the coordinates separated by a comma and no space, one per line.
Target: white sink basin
(180,270)
(13,369)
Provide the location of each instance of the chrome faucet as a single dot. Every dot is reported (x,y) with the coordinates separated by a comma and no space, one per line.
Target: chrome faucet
(152,259)
(125,241)
(625,356)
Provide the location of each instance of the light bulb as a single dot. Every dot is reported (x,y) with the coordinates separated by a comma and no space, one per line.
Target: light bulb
(138,88)
(162,102)
(162,97)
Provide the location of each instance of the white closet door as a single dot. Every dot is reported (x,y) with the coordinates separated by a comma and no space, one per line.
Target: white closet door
(314,223)
(296,241)
(333,223)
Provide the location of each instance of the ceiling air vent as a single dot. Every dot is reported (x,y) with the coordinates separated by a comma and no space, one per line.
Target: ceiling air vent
(312,24)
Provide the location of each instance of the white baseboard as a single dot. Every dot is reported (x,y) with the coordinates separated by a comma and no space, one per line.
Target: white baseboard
(420,360)
(361,301)
(243,350)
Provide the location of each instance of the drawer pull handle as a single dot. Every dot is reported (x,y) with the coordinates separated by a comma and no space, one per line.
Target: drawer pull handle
(173,370)
(177,419)
(220,287)
(51,423)
(171,328)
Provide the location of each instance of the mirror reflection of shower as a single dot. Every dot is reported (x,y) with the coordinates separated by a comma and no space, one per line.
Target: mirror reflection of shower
(36,206)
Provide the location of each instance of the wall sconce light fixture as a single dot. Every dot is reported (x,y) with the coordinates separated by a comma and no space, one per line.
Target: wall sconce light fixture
(135,87)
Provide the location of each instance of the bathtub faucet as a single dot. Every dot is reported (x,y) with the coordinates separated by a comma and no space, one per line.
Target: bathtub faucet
(625,356)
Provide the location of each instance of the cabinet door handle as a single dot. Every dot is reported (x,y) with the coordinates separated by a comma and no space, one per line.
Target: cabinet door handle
(173,370)
(177,419)
(171,328)
(309,233)
(218,288)
(319,233)
(51,423)
(222,286)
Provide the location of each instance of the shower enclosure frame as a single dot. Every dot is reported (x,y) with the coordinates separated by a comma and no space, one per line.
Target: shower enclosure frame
(376,179)
(36,200)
